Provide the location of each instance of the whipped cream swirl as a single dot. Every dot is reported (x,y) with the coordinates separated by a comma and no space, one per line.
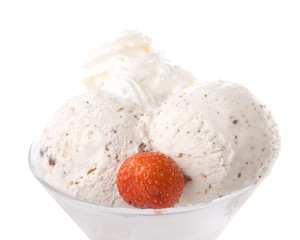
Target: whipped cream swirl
(130,68)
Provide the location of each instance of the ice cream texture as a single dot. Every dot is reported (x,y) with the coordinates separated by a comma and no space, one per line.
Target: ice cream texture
(220,135)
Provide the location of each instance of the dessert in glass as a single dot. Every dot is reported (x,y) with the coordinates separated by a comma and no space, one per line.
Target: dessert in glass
(151,147)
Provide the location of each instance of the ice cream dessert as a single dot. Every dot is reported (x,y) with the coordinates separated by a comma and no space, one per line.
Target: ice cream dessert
(222,138)
(85,143)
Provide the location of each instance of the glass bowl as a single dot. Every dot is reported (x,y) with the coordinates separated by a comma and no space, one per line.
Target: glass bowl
(204,221)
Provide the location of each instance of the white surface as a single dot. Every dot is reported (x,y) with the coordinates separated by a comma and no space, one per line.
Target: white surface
(255,43)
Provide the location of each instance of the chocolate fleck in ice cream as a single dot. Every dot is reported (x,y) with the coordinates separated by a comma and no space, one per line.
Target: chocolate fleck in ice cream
(222,138)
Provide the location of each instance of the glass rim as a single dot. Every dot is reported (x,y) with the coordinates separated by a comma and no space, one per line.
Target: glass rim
(130,211)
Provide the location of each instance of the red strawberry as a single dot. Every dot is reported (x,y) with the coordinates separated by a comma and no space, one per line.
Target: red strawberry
(150,180)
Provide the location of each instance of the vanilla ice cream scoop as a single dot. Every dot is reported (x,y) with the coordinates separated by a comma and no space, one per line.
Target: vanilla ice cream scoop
(85,143)
(130,68)
(221,136)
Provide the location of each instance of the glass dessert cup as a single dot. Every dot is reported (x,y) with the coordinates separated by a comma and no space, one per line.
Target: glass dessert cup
(204,221)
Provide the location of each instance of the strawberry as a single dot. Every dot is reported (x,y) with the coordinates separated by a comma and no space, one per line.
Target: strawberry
(150,180)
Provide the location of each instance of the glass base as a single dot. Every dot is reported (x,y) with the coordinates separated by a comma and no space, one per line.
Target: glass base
(204,221)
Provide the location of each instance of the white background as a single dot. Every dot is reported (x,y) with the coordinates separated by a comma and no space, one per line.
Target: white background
(42,46)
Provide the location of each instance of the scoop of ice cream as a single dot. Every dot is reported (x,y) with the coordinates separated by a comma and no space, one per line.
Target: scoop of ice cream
(130,68)
(222,137)
(85,143)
